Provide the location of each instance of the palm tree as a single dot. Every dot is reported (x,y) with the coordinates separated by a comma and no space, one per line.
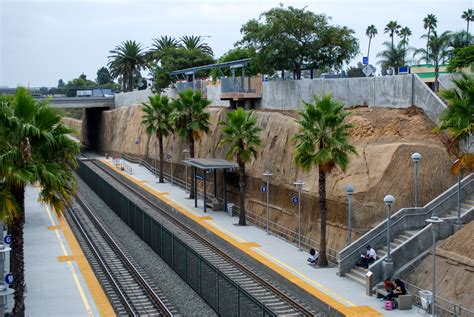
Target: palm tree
(126,59)
(34,149)
(404,33)
(458,118)
(430,22)
(242,135)
(190,119)
(370,32)
(196,42)
(323,141)
(162,44)
(468,15)
(392,28)
(156,118)
(393,57)
(437,51)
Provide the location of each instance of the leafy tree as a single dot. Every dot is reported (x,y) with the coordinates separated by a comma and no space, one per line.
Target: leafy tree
(241,134)
(370,32)
(460,39)
(404,33)
(323,141)
(356,71)
(191,42)
(461,58)
(34,149)
(468,15)
(103,76)
(157,120)
(458,118)
(393,57)
(392,28)
(190,118)
(126,59)
(61,84)
(437,51)
(430,22)
(291,38)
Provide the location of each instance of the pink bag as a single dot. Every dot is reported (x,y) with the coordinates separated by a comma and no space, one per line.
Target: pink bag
(388,305)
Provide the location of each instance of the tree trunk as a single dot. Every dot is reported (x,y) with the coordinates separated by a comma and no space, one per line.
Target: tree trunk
(322,260)
(130,80)
(242,221)
(436,82)
(191,155)
(17,263)
(428,48)
(467,30)
(368,50)
(147,149)
(160,141)
(298,71)
(391,35)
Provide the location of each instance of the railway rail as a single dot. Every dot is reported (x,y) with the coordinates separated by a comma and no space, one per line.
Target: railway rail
(274,298)
(127,286)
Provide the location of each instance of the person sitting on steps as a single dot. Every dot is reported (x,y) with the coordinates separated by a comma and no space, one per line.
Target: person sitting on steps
(368,258)
(313,256)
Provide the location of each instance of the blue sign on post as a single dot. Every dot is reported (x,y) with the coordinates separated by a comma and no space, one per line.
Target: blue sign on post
(7,239)
(9,278)
(294,199)
(365,60)
(263,189)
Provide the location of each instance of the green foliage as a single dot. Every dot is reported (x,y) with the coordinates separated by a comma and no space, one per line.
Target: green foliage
(371,31)
(392,28)
(468,15)
(356,71)
(393,56)
(236,54)
(461,58)
(103,76)
(404,34)
(192,42)
(126,59)
(292,39)
(156,115)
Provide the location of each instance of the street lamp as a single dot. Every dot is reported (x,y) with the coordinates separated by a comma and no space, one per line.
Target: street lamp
(186,155)
(267,175)
(416,157)
(435,223)
(299,185)
(388,263)
(350,191)
(458,196)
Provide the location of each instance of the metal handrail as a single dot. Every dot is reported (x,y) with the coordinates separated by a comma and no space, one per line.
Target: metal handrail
(403,217)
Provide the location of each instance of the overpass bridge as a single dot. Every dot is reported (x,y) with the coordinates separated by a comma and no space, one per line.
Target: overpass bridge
(81,102)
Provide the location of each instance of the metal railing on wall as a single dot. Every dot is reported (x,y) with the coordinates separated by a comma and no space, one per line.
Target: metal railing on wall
(225,296)
(252,217)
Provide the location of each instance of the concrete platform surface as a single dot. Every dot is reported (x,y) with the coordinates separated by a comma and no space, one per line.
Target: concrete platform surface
(272,251)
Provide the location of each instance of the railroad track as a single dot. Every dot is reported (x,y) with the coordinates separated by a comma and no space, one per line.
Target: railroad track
(274,298)
(127,286)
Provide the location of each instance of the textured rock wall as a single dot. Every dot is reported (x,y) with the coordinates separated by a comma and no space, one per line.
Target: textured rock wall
(76,125)
(384,138)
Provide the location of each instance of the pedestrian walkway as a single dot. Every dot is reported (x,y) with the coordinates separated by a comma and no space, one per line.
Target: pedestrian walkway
(282,257)
(59,280)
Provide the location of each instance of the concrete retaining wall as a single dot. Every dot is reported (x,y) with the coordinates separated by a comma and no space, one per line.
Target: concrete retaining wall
(213,93)
(125,99)
(426,99)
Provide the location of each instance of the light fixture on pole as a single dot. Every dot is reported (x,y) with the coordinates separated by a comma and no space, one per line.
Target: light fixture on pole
(416,157)
(388,263)
(186,156)
(267,175)
(299,185)
(435,223)
(350,191)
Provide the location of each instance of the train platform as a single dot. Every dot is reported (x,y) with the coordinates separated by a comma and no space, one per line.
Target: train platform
(59,280)
(280,256)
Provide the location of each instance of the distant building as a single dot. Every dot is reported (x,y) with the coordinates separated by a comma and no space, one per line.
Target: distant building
(426,72)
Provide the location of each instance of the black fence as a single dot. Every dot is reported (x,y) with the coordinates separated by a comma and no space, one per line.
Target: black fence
(220,292)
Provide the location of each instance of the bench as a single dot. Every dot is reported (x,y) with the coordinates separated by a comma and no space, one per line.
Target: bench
(214,204)
(403,301)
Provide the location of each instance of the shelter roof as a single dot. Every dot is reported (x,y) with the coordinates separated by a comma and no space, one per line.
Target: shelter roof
(233,64)
(210,163)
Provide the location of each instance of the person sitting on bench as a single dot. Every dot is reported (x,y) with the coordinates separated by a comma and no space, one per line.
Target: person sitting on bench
(400,289)
(313,256)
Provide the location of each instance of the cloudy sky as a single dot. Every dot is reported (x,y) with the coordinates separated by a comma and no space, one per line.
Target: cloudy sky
(42,40)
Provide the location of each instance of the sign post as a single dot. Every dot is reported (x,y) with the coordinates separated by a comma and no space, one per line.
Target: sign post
(365,60)
(297,200)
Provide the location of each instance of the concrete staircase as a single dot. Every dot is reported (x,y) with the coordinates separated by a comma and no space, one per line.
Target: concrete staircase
(465,206)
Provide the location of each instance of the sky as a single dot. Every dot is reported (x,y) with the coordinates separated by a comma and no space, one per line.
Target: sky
(42,41)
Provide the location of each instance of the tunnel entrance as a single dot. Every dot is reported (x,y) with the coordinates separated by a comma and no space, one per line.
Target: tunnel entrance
(91,126)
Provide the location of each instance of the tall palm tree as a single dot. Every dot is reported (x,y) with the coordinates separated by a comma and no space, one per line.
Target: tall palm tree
(430,22)
(126,59)
(458,118)
(468,15)
(190,118)
(437,51)
(392,28)
(370,32)
(162,44)
(196,42)
(241,134)
(393,57)
(34,149)
(323,141)
(404,33)
(157,120)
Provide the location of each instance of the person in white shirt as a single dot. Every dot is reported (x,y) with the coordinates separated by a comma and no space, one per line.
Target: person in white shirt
(369,257)
(313,256)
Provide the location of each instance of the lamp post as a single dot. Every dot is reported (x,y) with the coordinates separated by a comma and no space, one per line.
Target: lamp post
(388,263)
(186,155)
(416,157)
(267,175)
(435,222)
(350,191)
(458,197)
(299,185)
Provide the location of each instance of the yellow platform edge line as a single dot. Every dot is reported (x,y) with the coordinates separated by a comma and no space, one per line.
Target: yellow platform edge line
(353,311)
(100,299)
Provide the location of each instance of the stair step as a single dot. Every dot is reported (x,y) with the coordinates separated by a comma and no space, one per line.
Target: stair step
(355,278)
(360,270)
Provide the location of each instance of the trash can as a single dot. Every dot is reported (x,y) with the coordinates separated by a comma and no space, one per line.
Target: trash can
(426,298)
(230,209)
